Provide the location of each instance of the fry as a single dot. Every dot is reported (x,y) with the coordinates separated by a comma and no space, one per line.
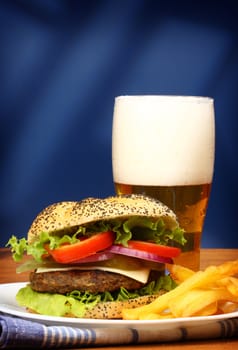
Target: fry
(208,310)
(155,316)
(179,273)
(197,300)
(226,307)
(231,283)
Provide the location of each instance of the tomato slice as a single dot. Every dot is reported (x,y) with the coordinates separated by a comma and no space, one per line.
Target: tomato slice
(68,253)
(162,250)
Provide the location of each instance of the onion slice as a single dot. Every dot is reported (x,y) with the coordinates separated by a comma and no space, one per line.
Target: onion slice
(118,249)
(100,256)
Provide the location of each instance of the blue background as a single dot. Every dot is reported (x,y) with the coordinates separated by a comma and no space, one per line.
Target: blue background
(62,62)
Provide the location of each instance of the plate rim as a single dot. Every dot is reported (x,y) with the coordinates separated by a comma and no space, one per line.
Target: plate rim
(82,322)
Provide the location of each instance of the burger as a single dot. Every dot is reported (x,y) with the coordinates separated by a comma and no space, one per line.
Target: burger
(94,257)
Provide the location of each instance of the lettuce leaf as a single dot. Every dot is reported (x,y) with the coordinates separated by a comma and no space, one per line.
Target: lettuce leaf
(137,228)
(154,231)
(53,304)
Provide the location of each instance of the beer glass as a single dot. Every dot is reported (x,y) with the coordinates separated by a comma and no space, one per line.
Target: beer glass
(163,146)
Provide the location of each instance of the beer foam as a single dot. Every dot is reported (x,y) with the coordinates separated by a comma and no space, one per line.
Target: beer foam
(163,140)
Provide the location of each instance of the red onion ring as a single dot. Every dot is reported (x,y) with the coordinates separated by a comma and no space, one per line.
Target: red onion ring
(101,256)
(118,249)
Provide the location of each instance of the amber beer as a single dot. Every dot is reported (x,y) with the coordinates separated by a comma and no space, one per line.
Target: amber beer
(163,146)
(190,205)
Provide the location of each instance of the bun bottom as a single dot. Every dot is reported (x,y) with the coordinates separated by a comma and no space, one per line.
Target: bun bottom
(113,309)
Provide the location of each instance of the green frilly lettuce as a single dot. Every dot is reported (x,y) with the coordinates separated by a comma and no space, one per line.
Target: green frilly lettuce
(137,228)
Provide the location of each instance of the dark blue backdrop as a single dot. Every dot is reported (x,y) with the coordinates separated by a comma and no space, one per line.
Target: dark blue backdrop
(62,63)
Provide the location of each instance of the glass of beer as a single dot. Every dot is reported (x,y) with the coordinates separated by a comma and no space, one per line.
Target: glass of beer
(163,146)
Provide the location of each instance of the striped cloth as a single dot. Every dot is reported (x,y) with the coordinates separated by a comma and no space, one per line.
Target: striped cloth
(19,333)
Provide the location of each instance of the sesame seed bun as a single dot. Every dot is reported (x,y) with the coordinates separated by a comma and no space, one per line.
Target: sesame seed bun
(113,309)
(65,216)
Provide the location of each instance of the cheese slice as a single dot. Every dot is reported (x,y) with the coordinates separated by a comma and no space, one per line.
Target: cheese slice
(140,275)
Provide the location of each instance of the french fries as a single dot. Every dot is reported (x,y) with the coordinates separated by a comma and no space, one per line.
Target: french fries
(179,273)
(202,293)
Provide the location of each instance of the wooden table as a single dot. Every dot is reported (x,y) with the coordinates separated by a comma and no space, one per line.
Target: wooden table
(208,257)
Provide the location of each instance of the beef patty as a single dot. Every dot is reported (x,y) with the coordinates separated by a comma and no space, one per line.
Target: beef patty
(92,281)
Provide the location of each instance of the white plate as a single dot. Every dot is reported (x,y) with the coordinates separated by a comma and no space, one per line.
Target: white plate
(9,306)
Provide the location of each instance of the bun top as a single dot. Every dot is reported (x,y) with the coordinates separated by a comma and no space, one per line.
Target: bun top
(65,216)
